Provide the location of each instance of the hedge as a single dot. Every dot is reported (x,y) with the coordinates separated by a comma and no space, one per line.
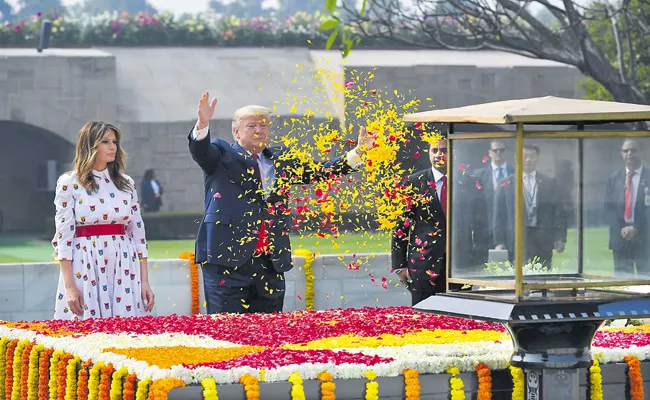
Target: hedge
(142,29)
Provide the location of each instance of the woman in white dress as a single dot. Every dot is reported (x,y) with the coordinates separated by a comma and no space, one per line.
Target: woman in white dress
(100,237)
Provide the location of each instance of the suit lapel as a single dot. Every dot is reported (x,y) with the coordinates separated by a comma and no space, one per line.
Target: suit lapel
(434,201)
(640,195)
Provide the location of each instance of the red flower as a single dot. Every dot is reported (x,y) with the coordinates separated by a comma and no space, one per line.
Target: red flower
(478,185)
(418,126)
(416,155)
(506,183)
(485,159)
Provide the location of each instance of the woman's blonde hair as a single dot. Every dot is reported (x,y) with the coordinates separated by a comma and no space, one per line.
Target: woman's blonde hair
(90,136)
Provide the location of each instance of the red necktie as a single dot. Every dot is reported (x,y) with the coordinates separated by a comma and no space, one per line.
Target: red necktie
(628,195)
(443,194)
(262,242)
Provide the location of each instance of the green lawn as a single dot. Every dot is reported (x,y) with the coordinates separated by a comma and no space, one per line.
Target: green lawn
(18,249)
(15,249)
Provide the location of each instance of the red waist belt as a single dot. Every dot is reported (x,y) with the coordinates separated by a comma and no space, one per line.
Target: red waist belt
(99,230)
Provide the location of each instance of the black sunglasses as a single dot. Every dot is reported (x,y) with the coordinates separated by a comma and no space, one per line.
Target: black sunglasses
(629,151)
(498,150)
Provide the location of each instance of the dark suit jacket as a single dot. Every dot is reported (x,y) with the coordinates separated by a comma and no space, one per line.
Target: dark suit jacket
(615,208)
(485,178)
(420,244)
(551,215)
(147,198)
(235,206)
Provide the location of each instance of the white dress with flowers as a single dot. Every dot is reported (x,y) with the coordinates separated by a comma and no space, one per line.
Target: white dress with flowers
(106,268)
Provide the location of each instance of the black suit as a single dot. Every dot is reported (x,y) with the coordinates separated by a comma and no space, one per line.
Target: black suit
(627,253)
(485,178)
(551,226)
(148,198)
(234,209)
(419,240)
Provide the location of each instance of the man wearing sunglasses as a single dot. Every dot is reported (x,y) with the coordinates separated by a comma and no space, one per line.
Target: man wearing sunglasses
(627,206)
(491,177)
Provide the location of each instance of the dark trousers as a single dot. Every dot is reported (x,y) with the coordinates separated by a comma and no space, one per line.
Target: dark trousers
(629,256)
(424,286)
(253,287)
(535,246)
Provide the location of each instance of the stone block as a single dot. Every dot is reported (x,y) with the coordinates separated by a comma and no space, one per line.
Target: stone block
(328,294)
(40,315)
(12,300)
(172,299)
(40,284)
(20,73)
(11,276)
(81,67)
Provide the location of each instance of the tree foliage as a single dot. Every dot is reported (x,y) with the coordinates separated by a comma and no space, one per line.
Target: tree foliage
(510,26)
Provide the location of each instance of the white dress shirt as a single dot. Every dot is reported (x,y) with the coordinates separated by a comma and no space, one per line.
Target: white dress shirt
(636,178)
(437,175)
(267,169)
(530,197)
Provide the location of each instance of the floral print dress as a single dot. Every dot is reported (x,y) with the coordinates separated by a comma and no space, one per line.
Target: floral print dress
(107,267)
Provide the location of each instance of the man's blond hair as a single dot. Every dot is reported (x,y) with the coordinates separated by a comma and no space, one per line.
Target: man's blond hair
(251,110)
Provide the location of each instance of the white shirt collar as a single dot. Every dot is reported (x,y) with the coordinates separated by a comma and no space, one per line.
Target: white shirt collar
(636,171)
(533,174)
(497,167)
(437,175)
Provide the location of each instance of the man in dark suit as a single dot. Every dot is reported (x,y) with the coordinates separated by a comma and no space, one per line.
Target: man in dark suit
(545,221)
(627,206)
(419,241)
(243,240)
(489,178)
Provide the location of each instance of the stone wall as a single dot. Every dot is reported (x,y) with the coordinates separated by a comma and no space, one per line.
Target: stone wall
(28,290)
(151,93)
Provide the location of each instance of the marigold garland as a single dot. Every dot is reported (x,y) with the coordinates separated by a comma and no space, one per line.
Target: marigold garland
(518,383)
(9,368)
(595,381)
(634,375)
(54,374)
(143,389)
(297,389)
(457,385)
(484,382)
(105,382)
(372,387)
(82,382)
(160,388)
(209,389)
(18,369)
(194,280)
(327,386)
(63,376)
(43,374)
(33,368)
(411,384)
(24,372)
(3,364)
(71,379)
(309,276)
(251,386)
(94,377)
(116,383)
(128,393)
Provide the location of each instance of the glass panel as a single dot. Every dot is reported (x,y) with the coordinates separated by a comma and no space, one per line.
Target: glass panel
(550,189)
(479,169)
(561,209)
(616,210)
